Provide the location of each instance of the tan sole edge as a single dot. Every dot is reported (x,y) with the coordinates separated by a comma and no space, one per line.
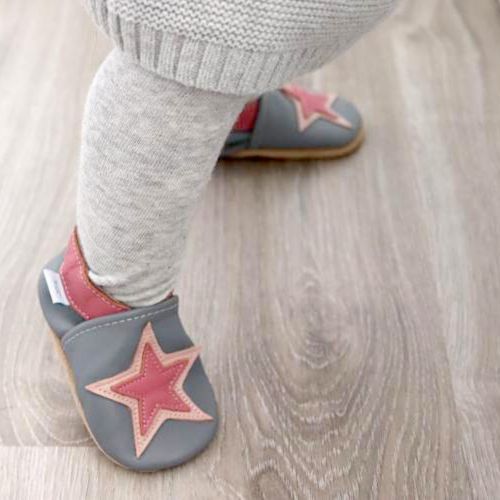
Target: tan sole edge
(302,154)
(71,380)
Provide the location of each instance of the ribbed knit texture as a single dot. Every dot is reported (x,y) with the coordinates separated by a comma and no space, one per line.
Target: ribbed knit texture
(235,46)
(148,148)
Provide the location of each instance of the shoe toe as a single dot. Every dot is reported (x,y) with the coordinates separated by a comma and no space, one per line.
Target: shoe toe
(343,136)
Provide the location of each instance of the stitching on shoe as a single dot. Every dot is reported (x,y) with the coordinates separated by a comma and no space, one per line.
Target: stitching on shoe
(111,323)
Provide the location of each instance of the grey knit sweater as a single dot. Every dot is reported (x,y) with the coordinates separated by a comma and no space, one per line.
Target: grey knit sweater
(235,46)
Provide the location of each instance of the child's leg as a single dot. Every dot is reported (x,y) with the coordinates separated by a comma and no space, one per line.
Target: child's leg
(150,142)
(149,146)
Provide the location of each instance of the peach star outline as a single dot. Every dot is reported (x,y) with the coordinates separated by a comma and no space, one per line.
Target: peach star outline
(104,388)
(297,95)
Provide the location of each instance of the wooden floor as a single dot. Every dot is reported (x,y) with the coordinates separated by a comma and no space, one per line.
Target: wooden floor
(349,311)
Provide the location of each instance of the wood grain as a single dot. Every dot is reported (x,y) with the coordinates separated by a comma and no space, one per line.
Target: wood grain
(348,310)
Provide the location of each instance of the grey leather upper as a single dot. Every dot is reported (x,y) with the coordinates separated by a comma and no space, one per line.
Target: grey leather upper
(103,347)
(276,127)
(236,141)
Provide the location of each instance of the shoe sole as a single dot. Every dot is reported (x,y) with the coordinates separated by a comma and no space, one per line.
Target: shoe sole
(301,154)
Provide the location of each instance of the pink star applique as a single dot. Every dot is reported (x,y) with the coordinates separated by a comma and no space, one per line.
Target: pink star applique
(311,107)
(152,388)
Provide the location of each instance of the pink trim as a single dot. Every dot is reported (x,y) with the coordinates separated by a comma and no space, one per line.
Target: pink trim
(246,120)
(152,388)
(85,298)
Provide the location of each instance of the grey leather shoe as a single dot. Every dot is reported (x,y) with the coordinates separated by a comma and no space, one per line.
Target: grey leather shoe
(136,377)
(292,123)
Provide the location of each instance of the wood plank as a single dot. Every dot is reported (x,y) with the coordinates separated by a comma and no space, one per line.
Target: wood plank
(347,310)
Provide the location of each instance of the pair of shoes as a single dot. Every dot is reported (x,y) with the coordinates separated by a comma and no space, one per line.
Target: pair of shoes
(136,377)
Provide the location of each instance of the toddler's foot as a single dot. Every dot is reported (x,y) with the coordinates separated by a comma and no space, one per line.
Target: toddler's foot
(293,124)
(135,374)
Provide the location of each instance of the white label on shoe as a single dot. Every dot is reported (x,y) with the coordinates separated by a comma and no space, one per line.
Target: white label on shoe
(55,286)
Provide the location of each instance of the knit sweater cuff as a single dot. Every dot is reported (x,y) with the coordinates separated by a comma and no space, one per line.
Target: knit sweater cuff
(204,65)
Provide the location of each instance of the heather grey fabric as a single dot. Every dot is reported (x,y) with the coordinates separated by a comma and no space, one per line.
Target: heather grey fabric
(276,127)
(235,46)
(103,347)
(148,149)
